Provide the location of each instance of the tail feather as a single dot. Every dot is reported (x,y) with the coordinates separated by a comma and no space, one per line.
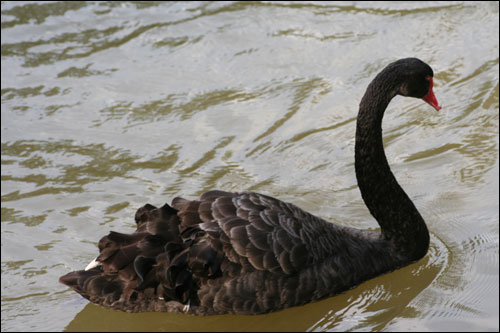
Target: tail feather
(152,260)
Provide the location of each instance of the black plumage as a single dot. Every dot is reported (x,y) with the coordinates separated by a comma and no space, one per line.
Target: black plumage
(249,253)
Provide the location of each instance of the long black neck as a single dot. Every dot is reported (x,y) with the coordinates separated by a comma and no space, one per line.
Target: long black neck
(400,221)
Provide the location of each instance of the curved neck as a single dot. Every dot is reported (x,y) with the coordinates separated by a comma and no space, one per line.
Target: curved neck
(400,221)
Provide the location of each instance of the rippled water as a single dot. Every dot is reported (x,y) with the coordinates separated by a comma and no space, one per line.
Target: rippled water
(107,106)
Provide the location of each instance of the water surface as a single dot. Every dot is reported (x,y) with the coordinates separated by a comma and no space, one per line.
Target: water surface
(107,106)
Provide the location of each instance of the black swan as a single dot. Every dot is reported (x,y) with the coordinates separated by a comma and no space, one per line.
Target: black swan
(248,253)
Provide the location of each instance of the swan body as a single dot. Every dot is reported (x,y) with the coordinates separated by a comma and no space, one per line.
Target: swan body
(248,253)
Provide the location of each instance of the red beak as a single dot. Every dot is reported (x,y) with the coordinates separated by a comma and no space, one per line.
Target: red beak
(430,97)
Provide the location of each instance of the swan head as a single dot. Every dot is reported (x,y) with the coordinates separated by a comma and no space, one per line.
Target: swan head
(415,80)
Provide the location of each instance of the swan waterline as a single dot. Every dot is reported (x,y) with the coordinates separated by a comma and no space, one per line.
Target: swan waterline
(249,253)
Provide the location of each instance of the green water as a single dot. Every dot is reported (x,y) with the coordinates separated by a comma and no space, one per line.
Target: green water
(107,106)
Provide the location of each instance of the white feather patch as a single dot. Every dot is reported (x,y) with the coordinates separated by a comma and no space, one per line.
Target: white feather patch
(93,263)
